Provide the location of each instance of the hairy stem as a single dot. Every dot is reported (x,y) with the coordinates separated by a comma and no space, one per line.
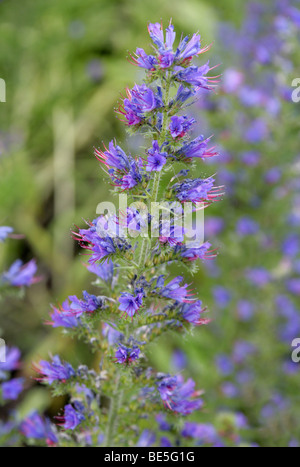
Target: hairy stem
(115,403)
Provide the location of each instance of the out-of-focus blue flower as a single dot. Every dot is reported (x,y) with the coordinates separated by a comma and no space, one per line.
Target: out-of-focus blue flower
(12,389)
(222,296)
(247,226)
(192,312)
(35,427)
(224,364)
(203,432)
(179,396)
(229,390)
(245,310)
(291,245)
(179,360)
(12,360)
(146,439)
(21,275)
(259,276)
(72,417)
(54,371)
(5,232)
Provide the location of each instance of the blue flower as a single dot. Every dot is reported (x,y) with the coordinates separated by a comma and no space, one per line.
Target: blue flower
(130,304)
(34,426)
(146,439)
(179,396)
(5,232)
(179,126)
(196,76)
(54,371)
(127,354)
(12,361)
(72,418)
(141,100)
(192,312)
(63,317)
(156,159)
(21,275)
(176,292)
(12,389)
(197,148)
(105,270)
(197,190)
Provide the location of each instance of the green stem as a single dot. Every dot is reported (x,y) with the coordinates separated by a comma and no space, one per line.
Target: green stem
(115,403)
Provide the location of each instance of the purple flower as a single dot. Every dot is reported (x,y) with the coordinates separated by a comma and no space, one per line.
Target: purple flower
(179,361)
(251,158)
(63,317)
(12,361)
(12,389)
(196,148)
(176,292)
(245,310)
(213,226)
(157,35)
(143,60)
(192,312)
(54,371)
(179,396)
(21,275)
(224,364)
(34,426)
(88,304)
(197,190)
(5,232)
(127,355)
(156,159)
(259,276)
(291,245)
(140,101)
(242,350)
(72,418)
(113,336)
(130,304)
(273,175)
(183,94)
(230,390)
(189,48)
(192,253)
(205,433)
(232,80)
(146,439)
(105,270)
(114,157)
(222,296)
(257,131)
(293,286)
(246,226)
(179,126)
(195,75)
